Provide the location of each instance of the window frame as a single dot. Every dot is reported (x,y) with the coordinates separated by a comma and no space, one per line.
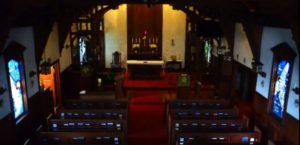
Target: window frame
(280,52)
(14,51)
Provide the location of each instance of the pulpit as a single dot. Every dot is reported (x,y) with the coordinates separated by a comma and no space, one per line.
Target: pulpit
(183,86)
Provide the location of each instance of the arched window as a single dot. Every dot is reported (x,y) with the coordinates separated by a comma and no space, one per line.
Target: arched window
(281,83)
(207,51)
(82,50)
(16,78)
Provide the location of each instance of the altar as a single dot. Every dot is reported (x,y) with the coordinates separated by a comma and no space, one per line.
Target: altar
(144,69)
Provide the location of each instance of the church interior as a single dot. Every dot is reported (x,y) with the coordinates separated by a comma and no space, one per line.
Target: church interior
(149,72)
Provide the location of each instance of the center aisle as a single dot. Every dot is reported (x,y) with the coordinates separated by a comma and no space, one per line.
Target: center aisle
(146,124)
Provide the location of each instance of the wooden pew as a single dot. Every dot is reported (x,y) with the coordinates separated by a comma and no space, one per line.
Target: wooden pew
(117,114)
(197,126)
(209,125)
(96,104)
(203,114)
(82,138)
(92,125)
(194,119)
(199,104)
(88,122)
(240,138)
(196,105)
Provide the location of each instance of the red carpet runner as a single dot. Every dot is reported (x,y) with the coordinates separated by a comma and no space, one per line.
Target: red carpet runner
(146,124)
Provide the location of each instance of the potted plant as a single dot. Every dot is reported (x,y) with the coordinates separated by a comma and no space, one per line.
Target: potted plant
(86,73)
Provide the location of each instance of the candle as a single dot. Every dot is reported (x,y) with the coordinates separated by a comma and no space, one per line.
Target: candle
(156,40)
(131,40)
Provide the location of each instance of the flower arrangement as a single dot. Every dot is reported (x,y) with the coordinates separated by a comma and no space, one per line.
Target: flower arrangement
(173,57)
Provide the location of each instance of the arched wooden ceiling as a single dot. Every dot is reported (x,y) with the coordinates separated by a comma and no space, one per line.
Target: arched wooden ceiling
(275,13)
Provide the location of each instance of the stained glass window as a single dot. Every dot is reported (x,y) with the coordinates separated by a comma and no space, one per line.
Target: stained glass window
(15,78)
(82,50)
(207,51)
(282,75)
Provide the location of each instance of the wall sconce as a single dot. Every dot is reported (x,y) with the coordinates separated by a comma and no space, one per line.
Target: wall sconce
(221,50)
(296,90)
(1,102)
(67,46)
(2,90)
(32,73)
(296,103)
(257,67)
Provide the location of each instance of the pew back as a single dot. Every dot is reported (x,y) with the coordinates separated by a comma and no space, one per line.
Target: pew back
(87,125)
(96,104)
(209,125)
(93,114)
(243,138)
(83,138)
(199,104)
(196,105)
(203,114)
(196,126)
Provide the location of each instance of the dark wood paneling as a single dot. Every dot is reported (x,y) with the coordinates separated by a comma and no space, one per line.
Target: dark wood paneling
(141,19)
(70,85)
(39,106)
(243,91)
(7,130)
(291,130)
(260,110)
(285,133)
